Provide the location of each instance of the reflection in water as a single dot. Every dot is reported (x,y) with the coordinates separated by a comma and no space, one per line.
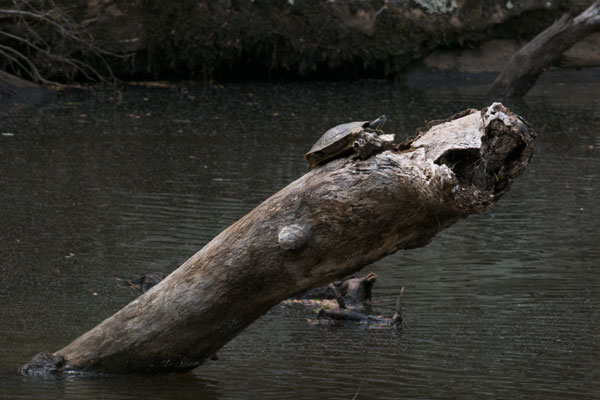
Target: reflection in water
(502,305)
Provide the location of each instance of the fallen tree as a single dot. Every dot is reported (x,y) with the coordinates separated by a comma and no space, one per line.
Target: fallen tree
(327,224)
(526,65)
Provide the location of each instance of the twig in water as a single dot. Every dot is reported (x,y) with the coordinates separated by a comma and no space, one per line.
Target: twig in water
(357,390)
(396,321)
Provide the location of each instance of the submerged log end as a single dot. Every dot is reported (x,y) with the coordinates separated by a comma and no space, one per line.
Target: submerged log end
(43,364)
(477,155)
(508,147)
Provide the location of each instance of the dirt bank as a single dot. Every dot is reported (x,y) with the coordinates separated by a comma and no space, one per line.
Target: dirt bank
(258,39)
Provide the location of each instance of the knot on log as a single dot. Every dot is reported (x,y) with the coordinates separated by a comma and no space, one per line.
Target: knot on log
(292,237)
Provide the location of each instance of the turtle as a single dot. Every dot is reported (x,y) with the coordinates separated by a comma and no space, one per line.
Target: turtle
(339,140)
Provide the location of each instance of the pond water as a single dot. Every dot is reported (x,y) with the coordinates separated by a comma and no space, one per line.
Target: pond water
(100,186)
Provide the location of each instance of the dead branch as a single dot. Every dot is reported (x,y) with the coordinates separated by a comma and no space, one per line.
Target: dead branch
(337,296)
(526,65)
(397,318)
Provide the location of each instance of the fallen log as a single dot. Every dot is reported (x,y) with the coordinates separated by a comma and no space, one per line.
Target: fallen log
(526,65)
(329,223)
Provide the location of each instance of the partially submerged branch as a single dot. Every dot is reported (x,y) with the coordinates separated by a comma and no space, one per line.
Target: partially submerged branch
(341,314)
(397,318)
(340,300)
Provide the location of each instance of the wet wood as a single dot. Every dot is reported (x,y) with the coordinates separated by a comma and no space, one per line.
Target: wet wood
(357,290)
(342,314)
(526,65)
(340,300)
(397,318)
(337,316)
(328,224)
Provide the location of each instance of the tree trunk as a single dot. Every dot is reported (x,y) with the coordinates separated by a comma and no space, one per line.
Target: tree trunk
(327,224)
(526,65)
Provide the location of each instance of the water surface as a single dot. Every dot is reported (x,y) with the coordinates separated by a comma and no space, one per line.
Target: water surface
(98,187)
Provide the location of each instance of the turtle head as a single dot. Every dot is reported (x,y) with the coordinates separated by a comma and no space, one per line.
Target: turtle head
(378,122)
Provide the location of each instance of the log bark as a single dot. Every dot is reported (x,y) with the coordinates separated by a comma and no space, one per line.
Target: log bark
(327,224)
(526,65)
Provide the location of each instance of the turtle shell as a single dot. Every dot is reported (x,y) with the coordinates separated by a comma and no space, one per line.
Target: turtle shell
(334,142)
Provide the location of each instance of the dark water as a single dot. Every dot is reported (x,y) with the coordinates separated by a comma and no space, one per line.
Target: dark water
(501,305)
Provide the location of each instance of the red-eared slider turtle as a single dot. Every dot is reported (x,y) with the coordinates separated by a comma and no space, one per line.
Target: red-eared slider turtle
(339,140)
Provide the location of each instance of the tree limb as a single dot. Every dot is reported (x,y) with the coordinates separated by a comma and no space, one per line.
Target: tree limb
(526,65)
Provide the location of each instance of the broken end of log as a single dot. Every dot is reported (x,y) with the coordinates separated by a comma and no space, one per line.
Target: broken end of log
(507,146)
(494,148)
